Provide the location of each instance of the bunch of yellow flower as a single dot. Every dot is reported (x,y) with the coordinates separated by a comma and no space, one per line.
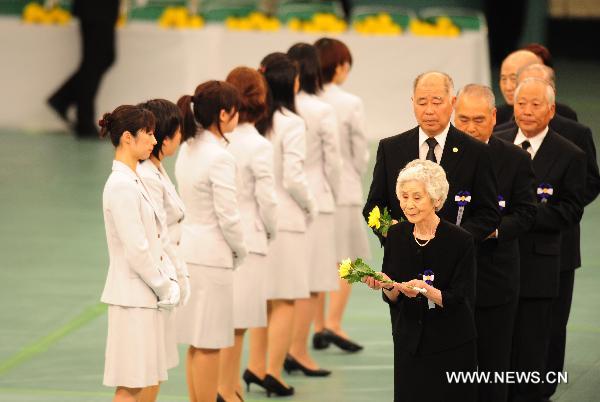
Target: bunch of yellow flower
(380,24)
(179,17)
(320,22)
(255,21)
(381,223)
(35,13)
(443,27)
(355,271)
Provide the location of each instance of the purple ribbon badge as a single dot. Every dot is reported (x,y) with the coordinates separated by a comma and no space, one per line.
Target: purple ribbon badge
(544,191)
(501,203)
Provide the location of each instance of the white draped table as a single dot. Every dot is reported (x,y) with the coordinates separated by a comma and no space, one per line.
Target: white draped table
(158,63)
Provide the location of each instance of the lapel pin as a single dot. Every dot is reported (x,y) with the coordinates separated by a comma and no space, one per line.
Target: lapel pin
(455,150)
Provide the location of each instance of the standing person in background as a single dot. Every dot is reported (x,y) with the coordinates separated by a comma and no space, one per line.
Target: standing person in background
(288,269)
(258,207)
(323,169)
(97,19)
(497,284)
(140,277)
(170,210)
(508,80)
(351,234)
(212,239)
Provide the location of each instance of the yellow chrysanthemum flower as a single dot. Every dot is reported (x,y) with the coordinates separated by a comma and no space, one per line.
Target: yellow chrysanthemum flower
(345,268)
(374,218)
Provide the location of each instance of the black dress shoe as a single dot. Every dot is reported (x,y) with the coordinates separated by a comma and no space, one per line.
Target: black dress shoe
(273,386)
(342,343)
(87,131)
(250,378)
(320,340)
(290,364)
(59,108)
(220,398)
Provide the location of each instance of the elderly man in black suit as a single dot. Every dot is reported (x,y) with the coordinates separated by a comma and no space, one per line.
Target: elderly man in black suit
(497,285)
(472,201)
(581,136)
(559,168)
(508,80)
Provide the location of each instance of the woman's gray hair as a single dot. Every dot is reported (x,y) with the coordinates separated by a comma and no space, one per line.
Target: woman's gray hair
(430,174)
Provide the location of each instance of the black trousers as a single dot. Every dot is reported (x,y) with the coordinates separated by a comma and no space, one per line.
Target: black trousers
(530,346)
(495,327)
(98,48)
(423,378)
(561,308)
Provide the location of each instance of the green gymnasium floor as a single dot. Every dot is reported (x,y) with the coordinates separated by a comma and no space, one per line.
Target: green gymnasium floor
(54,260)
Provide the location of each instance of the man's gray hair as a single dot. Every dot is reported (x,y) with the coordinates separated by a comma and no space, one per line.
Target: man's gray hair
(479,91)
(448,83)
(550,95)
(548,72)
(430,174)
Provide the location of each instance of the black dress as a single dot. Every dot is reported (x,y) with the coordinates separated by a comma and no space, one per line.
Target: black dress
(430,342)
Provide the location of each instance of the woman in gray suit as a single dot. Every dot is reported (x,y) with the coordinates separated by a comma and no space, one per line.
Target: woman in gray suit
(212,241)
(140,276)
(258,206)
(170,209)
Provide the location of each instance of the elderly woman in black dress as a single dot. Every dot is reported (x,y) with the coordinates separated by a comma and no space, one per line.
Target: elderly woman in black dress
(432,264)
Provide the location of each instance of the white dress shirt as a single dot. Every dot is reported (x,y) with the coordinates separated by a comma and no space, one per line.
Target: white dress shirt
(297,204)
(354,147)
(255,186)
(140,272)
(535,141)
(439,148)
(323,161)
(212,233)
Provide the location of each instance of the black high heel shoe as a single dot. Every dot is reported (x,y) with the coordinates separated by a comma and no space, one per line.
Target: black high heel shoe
(273,386)
(250,378)
(320,340)
(290,364)
(342,343)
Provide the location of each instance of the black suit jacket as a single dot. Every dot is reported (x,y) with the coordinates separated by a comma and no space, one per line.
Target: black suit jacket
(498,259)
(562,165)
(468,168)
(504,113)
(450,255)
(581,136)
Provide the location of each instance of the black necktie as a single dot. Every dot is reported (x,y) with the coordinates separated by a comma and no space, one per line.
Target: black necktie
(526,145)
(431,142)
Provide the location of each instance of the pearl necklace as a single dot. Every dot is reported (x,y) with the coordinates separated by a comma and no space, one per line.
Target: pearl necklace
(428,240)
(422,245)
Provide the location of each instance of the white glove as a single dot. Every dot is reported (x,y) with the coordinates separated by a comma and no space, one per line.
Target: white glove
(173,299)
(184,286)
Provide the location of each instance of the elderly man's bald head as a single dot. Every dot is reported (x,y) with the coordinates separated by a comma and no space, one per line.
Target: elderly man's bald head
(539,71)
(508,72)
(434,78)
(433,101)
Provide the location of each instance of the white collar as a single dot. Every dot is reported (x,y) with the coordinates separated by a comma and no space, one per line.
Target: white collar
(119,166)
(208,136)
(535,141)
(440,138)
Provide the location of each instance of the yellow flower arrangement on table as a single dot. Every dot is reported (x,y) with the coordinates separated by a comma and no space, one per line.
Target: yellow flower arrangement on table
(380,24)
(179,17)
(320,22)
(443,26)
(254,21)
(35,13)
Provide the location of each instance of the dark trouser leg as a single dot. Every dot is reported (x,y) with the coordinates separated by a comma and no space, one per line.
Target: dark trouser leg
(98,56)
(495,326)
(561,308)
(530,346)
